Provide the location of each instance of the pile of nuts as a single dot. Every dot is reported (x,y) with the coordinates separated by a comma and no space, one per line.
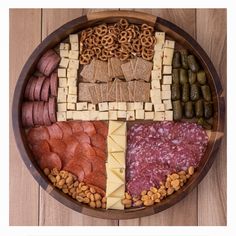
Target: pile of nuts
(121,40)
(69,184)
(154,195)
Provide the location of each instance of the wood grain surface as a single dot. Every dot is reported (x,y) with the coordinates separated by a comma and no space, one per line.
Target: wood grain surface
(30,205)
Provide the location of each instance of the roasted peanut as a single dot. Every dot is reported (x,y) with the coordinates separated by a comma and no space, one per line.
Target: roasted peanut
(153,189)
(61,182)
(170,191)
(92,190)
(92,197)
(76,184)
(86,200)
(136,198)
(128,205)
(127,201)
(149,193)
(144,192)
(175,183)
(84,187)
(104,200)
(104,205)
(97,196)
(138,203)
(98,203)
(148,202)
(92,204)
(174,176)
(191,170)
(79,198)
(145,197)
(58,177)
(52,178)
(69,180)
(65,190)
(128,196)
(46,171)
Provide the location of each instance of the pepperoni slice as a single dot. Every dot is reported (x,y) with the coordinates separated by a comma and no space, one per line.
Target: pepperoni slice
(98,141)
(82,137)
(27,114)
(85,149)
(27,88)
(52,109)
(38,88)
(74,167)
(40,148)
(32,88)
(71,144)
(45,90)
(55,131)
(46,119)
(53,84)
(88,128)
(50,160)
(57,145)
(66,129)
(97,179)
(100,153)
(101,128)
(76,126)
(37,134)
(86,165)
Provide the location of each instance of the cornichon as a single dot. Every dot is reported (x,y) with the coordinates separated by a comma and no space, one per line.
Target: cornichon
(192,63)
(204,123)
(188,109)
(208,110)
(177,110)
(176,60)
(175,91)
(206,92)
(199,110)
(185,92)
(194,92)
(201,77)
(184,58)
(183,76)
(175,76)
(192,77)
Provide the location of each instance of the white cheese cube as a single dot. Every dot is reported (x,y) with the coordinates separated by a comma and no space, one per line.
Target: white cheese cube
(69,115)
(85,115)
(158,59)
(159,107)
(149,115)
(155,92)
(122,106)
(139,114)
(73,90)
(63,82)
(113,115)
(61,116)
(168,56)
(155,84)
(130,106)
(61,106)
(91,107)
(74,46)
(130,115)
(72,98)
(167,79)
(160,37)
(165,94)
(121,114)
(77,115)
(167,104)
(155,99)
(167,70)
(103,106)
(61,98)
(70,106)
(81,106)
(73,54)
(64,62)
(61,72)
(169,44)
(93,115)
(72,73)
(148,106)
(113,105)
(72,82)
(156,74)
(64,53)
(74,38)
(165,87)
(168,115)
(61,92)
(138,105)
(103,115)
(159,116)
(74,64)
(64,46)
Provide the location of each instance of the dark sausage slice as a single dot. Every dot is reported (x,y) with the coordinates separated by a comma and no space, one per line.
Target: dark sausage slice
(38,88)
(27,114)
(54,84)
(27,88)
(52,109)
(88,128)
(37,134)
(35,113)
(43,60)
(53,62)
(45,90)
(50,160)
(32,88)
(46,119)
(55,131)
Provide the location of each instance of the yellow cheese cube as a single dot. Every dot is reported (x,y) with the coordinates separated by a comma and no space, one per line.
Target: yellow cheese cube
(167,70)
(91,107)
(74,64)
(113,105)
(156,74)
(64,62)
(138,105)
(64,53)
(155,92)
(72,82)
(139,114)
(155,99)
(166,94)
(61,72)
(72,73)
(69,115)
(75,46)
(149,115)
(61,116)
(61,106)
(168,56)
(64,46)
(121,114)
(159,116)
(130,106)
(160,38)
(93,115)
(165,87)
(155,84)
(81,106)
(169,44)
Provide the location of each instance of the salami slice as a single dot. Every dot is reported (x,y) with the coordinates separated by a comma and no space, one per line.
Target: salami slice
(35,113)
(43,60)
(32,88)
(74,167)
(40,113)
(98,141)
(55,131)
(75,126)
(97,179)
(86,165)
(40,148)
(27,114)
(45,90)
(71,144)
(50,160)
(100,153)
(27,88)
(38,88)
(53,62)
(66,129)
(88,128)
(57,146)
(53,84)
(101,128)
(52,109)
(82,137)
(98,190)
(46,119)
(35,135)
(86,150)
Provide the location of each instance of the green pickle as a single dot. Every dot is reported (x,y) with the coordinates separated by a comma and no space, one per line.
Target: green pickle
(175,76)
(192,77)
(188,109)
(194,92)
(201,77)
(176,63)
(183,76)
(175,91)
(184,58)
(208,110)
(185,92)
(206,92)
(199,109)
(192,63)
(177,110)
(204,123)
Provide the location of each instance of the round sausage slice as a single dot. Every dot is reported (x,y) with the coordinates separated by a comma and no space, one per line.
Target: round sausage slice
(50,160)
(27,88)
(46,119)
(82,137)
(101,128)
(37,134)
(52,109)
(88,128)
(53,84)
(45,90)
(27,114)
(55,131)
(75,126)
(40,113)
(32,88)
(38,88)
(98,141)
(53,62)
(76,169)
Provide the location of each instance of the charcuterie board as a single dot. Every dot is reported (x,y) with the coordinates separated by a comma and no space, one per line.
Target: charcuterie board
(92,104)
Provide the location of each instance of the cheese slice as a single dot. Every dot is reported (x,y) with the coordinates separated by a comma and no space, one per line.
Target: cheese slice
(119,156)
(120,140)
(112,162)
(114,203)
(113,146)
(114,125)
(112,187)
(113,177)
(120,192)
(120,172)
(121,130)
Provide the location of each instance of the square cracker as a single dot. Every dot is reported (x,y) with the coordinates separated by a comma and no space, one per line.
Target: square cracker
(83,92)
(87,72)
(98,92)
(109,69)
(124,92)
(131,90)
(101,71)
(116,68)
(133,65)
(118,90)
(103,89)
(93,94)
(112,90)
(141,91)
(143,69)
(127,71)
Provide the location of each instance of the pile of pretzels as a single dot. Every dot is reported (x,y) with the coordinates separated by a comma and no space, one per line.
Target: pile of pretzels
(121,40)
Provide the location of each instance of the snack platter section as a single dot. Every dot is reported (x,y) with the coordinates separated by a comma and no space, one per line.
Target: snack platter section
(118,116)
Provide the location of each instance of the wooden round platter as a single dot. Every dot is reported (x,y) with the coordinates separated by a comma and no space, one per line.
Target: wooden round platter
(182,38)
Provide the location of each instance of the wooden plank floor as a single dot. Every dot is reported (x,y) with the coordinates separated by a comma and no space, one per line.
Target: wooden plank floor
(30,205)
